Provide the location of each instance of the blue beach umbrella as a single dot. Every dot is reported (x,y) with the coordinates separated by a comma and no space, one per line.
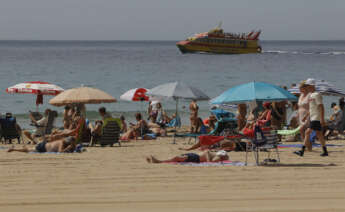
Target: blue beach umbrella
(253,91)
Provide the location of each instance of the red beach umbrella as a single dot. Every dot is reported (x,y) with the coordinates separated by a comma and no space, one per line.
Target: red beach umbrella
(37,88)
(136,94)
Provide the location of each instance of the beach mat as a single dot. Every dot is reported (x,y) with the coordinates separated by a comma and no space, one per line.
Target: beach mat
(300,145)
(208,164)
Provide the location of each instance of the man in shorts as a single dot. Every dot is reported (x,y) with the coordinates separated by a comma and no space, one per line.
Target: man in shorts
(62,145)
(206,156)
(317,121)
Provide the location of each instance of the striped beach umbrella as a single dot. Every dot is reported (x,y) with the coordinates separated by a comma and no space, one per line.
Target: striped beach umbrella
(37,88)
(135,94)
(322,87)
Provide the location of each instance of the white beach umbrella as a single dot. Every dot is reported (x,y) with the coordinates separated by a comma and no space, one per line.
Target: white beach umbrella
(177,91)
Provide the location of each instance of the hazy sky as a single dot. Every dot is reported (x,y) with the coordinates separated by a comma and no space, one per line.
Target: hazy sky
(169,19)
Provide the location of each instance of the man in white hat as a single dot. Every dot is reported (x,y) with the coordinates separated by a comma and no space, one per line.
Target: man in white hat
(317,121)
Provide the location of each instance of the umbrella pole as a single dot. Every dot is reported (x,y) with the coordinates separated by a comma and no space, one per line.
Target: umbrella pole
(174,142)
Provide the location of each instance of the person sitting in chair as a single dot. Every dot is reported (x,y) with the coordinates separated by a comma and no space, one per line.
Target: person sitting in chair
(97,129)
(335,120)
(40,126)
(136,130)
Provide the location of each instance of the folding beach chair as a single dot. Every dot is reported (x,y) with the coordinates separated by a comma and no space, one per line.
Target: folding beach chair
(36,115)
(50,123)
(110,133)
(226,123)
(264,140)
(9,129)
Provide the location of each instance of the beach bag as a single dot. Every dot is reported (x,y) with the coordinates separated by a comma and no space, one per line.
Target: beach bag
(259,138)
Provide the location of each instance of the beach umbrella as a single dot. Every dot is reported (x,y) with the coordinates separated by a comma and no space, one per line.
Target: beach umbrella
(82,95)
(253,91)
(135,94)
(37,88)
(323,87)
(176,91)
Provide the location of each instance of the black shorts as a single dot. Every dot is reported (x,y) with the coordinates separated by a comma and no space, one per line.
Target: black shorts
(315,125)
(192,157)
(41,147)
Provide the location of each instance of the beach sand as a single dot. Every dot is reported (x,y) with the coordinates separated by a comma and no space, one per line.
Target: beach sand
(120,179)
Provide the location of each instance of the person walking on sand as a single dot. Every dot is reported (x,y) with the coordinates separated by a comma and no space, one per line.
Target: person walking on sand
(303,109)
(317,118)
(193,108)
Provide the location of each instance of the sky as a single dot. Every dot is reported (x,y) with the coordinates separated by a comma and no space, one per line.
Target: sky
(169,19)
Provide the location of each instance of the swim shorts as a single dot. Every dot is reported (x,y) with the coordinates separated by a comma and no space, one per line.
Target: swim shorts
(41,147)
(315,125)
(192,157)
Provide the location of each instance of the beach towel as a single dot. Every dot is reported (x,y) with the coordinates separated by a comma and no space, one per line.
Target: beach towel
(208,164)
(79,149)
(289,132)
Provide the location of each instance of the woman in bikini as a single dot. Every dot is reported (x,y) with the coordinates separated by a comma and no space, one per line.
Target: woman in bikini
(193,108)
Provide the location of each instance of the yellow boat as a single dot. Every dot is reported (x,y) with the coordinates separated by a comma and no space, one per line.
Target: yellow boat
(216,41)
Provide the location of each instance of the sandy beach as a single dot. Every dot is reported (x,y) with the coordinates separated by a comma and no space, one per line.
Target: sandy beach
(120,179)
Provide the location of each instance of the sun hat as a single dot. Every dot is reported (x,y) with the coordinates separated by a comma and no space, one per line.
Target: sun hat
(266,104)
(221,153)
(154,102)
(310,81)
(302,84)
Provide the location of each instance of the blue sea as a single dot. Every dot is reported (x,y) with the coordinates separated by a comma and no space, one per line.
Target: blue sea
(117,66)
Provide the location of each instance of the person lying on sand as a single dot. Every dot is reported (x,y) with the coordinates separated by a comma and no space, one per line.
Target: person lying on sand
(63,145)
(225,144)
(206,156)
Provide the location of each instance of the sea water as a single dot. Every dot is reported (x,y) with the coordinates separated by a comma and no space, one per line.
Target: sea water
(117,66)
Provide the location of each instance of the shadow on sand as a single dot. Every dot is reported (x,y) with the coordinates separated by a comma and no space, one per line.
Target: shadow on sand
(298,165)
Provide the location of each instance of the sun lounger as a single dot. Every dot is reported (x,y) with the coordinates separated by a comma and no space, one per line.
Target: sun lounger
(176,122)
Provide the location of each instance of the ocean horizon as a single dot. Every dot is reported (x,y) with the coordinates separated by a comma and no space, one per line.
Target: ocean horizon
(117,66)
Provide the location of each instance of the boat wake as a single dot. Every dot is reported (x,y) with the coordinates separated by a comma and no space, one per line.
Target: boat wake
(304,52)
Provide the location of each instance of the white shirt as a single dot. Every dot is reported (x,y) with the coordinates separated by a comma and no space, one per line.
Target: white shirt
(41,126)
(315,100)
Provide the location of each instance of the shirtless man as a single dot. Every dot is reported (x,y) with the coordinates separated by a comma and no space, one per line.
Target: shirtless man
(193,157)
(63,145)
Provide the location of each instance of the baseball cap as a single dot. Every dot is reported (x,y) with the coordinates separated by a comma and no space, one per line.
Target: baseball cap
(310,81)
